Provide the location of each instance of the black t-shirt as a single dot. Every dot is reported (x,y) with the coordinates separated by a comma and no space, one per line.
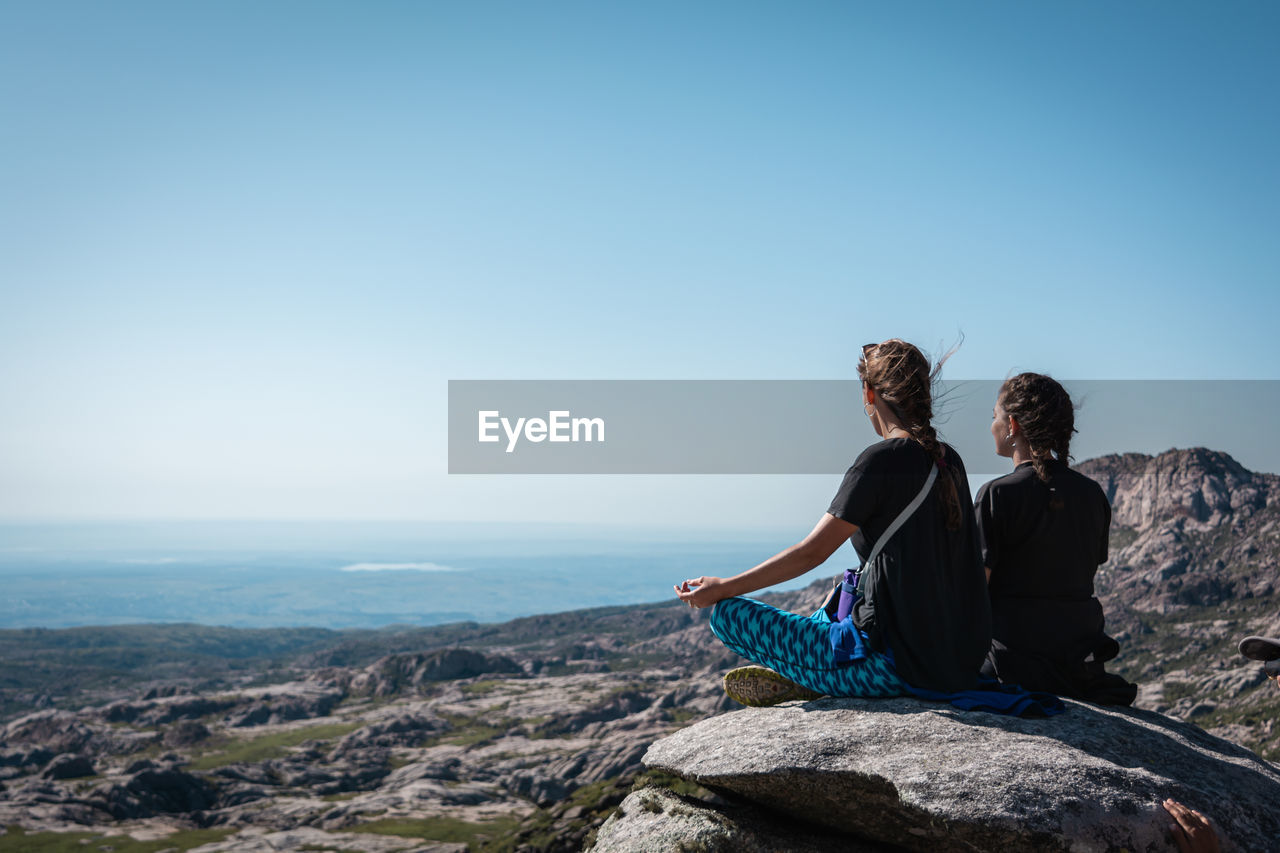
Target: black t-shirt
(925,595)
(1039,552)
(1043,560)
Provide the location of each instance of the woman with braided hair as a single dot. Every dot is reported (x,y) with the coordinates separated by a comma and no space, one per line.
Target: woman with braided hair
(921,619)
(1044,533)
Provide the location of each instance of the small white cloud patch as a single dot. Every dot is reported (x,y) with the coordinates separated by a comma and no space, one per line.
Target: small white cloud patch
(397,567)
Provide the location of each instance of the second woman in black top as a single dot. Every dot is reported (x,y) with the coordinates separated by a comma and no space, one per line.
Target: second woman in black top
(1044,532)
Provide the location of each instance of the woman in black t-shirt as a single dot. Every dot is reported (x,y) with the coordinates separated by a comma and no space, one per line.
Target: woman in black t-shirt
(923,618)
(1044,533)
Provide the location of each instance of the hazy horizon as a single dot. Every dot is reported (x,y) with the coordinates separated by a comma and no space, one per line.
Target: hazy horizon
(261,574)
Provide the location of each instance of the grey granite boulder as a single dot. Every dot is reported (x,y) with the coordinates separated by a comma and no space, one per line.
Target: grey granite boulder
(69,766)
(924,776)
(165,790)
(185,733)
(657,820)
(57,731)
(411,671)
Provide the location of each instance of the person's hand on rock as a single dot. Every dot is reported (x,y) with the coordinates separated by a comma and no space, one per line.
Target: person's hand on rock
(1191,830)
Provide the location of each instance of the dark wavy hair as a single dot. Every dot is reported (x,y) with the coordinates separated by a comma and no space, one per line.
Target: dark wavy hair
(1047,419)
(901,376)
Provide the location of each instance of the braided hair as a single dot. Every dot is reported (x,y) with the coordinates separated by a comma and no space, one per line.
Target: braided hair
(1047,418)
(901,376)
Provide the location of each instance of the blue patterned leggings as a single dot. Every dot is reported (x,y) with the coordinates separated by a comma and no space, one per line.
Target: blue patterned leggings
(799,648)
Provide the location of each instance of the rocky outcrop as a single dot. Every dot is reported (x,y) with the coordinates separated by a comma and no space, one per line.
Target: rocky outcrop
(543,759)
(412,671)
(921,776)
(615,707)
(153,711)
(285,707)
(26,756)
(58,731)
(399,730)
(154,791)
(654,820)
(69,766)
(1194,566)
(305,839)
(1189,528)
(1206,487)
(187,733)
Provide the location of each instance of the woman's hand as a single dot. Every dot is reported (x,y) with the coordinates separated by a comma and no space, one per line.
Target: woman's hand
(701,592)
(829,534)
(1192,832)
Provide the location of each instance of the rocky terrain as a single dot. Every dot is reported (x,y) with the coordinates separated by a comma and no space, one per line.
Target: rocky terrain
(528,735)
(1194,567)
(902,774)
(529,743)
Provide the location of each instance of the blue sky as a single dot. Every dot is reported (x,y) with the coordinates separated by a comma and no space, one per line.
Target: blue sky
(244,246)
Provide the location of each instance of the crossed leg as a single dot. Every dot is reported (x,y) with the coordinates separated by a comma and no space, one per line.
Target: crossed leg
(799,648)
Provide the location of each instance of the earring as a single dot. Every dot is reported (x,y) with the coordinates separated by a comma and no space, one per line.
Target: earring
(868,409)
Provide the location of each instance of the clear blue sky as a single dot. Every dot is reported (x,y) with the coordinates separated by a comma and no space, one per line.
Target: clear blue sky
(243,246)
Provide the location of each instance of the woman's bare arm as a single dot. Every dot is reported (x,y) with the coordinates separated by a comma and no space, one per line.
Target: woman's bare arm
(829,534)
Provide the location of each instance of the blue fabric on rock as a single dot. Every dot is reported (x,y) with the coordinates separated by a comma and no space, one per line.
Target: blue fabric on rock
(996,698)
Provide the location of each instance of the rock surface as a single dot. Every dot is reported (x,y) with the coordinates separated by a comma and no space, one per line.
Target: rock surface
(69,766)
(656,820)
(1194,567)
(305,765)
(1190,528)
(928,777)
(307,839)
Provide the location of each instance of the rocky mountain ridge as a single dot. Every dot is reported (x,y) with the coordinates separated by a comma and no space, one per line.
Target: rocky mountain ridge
(1194,567)
(1190,528)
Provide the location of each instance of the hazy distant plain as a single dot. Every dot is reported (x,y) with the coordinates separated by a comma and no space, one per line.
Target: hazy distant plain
(345,575)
